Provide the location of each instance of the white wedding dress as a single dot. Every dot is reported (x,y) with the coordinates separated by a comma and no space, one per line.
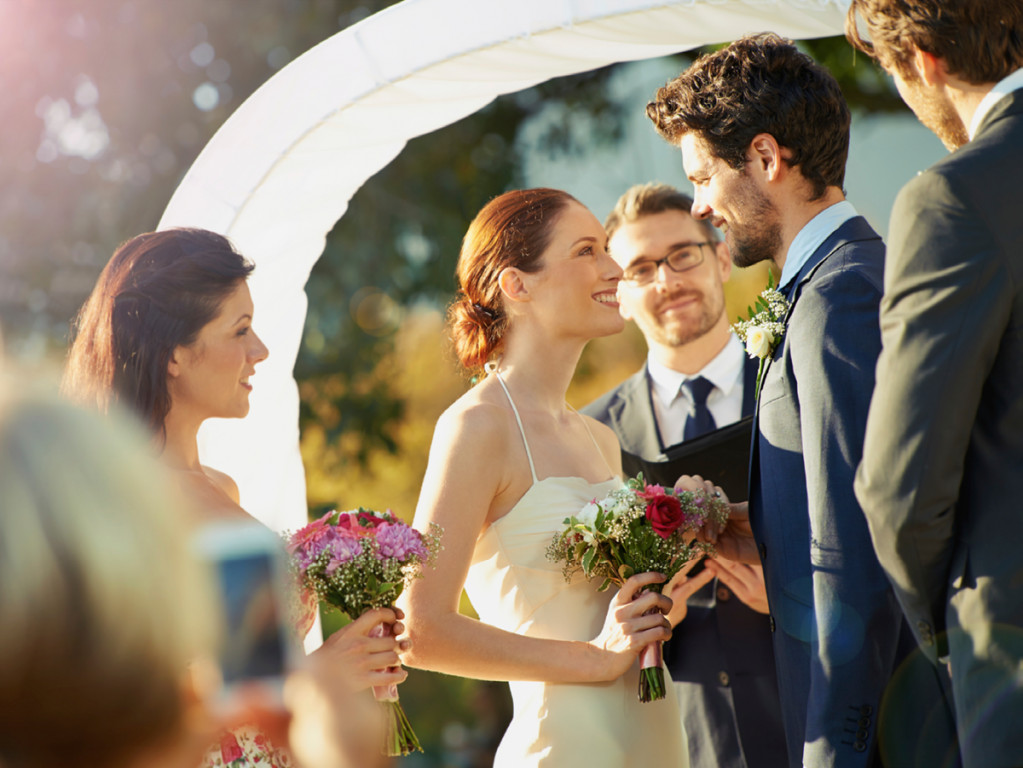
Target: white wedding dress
(513,586)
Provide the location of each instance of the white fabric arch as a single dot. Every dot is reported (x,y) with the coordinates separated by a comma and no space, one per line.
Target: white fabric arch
(280,172)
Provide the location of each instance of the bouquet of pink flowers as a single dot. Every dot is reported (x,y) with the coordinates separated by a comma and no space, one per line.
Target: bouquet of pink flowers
(637,528)
(358,560)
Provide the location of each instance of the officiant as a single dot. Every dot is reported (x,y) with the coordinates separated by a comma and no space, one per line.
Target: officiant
(697,380)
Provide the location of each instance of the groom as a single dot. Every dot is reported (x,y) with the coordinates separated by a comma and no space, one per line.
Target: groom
(764,134)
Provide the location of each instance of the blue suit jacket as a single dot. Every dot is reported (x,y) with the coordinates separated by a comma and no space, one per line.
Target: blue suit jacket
(838,627)
(721,654)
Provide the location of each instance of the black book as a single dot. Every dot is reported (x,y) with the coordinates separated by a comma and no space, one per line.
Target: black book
(721,456)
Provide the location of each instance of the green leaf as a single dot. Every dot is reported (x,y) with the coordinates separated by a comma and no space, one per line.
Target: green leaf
(626,571)
(588,559)
(604,585)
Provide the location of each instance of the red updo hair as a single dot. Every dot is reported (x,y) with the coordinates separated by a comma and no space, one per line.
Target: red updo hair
(512,230)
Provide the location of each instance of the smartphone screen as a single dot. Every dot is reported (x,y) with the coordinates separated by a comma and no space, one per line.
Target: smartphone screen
(248,562)
(254,646)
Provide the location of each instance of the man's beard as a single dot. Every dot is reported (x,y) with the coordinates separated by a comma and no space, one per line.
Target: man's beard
(938,115)
(680,336)
(754,243)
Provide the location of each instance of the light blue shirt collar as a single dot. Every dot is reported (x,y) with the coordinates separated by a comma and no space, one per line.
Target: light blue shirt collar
(812,236)
(1002,89)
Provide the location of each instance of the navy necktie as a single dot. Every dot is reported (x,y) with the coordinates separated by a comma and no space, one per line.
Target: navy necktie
(701,421)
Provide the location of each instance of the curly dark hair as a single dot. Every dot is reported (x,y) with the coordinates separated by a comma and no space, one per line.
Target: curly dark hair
(981,41)
(760,84)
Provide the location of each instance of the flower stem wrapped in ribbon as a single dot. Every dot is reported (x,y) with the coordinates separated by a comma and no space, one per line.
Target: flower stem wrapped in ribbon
(635,529)
(359,560)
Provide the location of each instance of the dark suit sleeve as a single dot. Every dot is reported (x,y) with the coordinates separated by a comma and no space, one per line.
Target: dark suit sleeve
(834,346)
(947,303)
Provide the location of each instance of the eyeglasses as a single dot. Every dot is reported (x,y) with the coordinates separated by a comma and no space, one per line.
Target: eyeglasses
(681,259)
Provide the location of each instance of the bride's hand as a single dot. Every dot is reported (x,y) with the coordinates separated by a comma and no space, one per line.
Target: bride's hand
(634,620)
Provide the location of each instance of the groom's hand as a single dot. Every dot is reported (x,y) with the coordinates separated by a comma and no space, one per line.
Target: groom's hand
(746,581)
(736,541)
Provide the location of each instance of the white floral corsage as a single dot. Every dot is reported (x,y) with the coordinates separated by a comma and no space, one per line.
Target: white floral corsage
(764,328)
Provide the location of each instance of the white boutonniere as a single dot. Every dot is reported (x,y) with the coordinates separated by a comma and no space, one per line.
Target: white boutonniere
(764,327)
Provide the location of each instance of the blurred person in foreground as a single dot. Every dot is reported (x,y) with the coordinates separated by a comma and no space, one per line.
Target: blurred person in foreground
(942,471)
(167,333)
(105,607)
(697,378)
(764,136)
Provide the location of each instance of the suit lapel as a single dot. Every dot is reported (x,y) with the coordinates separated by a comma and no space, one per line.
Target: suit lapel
(632,415)
(749,385)
(854,230)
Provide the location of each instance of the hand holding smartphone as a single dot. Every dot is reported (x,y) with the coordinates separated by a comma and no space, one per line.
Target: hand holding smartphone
(257,648)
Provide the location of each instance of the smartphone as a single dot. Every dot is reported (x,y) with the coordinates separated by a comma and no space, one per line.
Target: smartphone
(250,568)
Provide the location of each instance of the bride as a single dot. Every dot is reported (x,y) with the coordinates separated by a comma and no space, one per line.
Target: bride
(510,461)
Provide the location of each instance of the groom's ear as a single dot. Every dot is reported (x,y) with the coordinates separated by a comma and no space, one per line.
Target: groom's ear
(512,284)
(767,157)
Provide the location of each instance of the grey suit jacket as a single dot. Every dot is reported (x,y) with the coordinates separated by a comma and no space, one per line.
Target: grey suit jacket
(839,630)
(721,654)
(941,481)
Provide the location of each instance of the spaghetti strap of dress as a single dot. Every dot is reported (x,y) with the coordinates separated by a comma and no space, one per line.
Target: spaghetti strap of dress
(518,419)
(610,472)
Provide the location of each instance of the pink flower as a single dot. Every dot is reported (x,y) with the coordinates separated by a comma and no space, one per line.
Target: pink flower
(665,514)
(343,549)
(309,535)
(229,748)
(651,492)
(399,541)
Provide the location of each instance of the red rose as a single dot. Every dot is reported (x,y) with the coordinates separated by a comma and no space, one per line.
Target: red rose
(665,514)
(370,520)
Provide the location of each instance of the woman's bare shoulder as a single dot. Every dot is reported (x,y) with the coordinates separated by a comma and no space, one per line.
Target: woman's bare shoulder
(476,418)
(224,482)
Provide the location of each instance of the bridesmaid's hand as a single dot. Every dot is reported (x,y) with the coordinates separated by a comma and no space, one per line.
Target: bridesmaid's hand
(364,660)
(634,620)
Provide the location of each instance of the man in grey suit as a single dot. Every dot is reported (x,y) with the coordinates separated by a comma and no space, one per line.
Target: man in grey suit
(720,653)
(941,480)
(764,134)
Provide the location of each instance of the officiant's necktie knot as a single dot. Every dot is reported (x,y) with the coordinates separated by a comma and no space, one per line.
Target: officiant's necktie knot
(701,420)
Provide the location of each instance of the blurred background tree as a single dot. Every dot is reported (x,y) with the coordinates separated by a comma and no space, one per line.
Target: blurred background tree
(106,103)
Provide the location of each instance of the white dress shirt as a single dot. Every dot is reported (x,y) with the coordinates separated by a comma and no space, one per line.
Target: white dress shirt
(816,231)
(1002,89)
(673,404)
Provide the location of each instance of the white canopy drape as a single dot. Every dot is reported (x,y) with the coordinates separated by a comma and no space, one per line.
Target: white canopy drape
(280,172)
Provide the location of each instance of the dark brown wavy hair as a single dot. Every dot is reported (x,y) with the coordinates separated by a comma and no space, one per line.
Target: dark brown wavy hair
(981,41)
(760,84)
(155,294)
(512,230)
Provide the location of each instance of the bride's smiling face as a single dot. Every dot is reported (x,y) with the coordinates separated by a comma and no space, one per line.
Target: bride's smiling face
(577,285)
(210,377)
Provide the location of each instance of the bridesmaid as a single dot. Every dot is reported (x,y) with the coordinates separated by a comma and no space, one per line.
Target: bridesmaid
(167,332)
(510,461)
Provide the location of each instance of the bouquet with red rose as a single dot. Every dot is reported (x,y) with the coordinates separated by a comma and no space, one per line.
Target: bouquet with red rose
(358,560)
(637,528)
